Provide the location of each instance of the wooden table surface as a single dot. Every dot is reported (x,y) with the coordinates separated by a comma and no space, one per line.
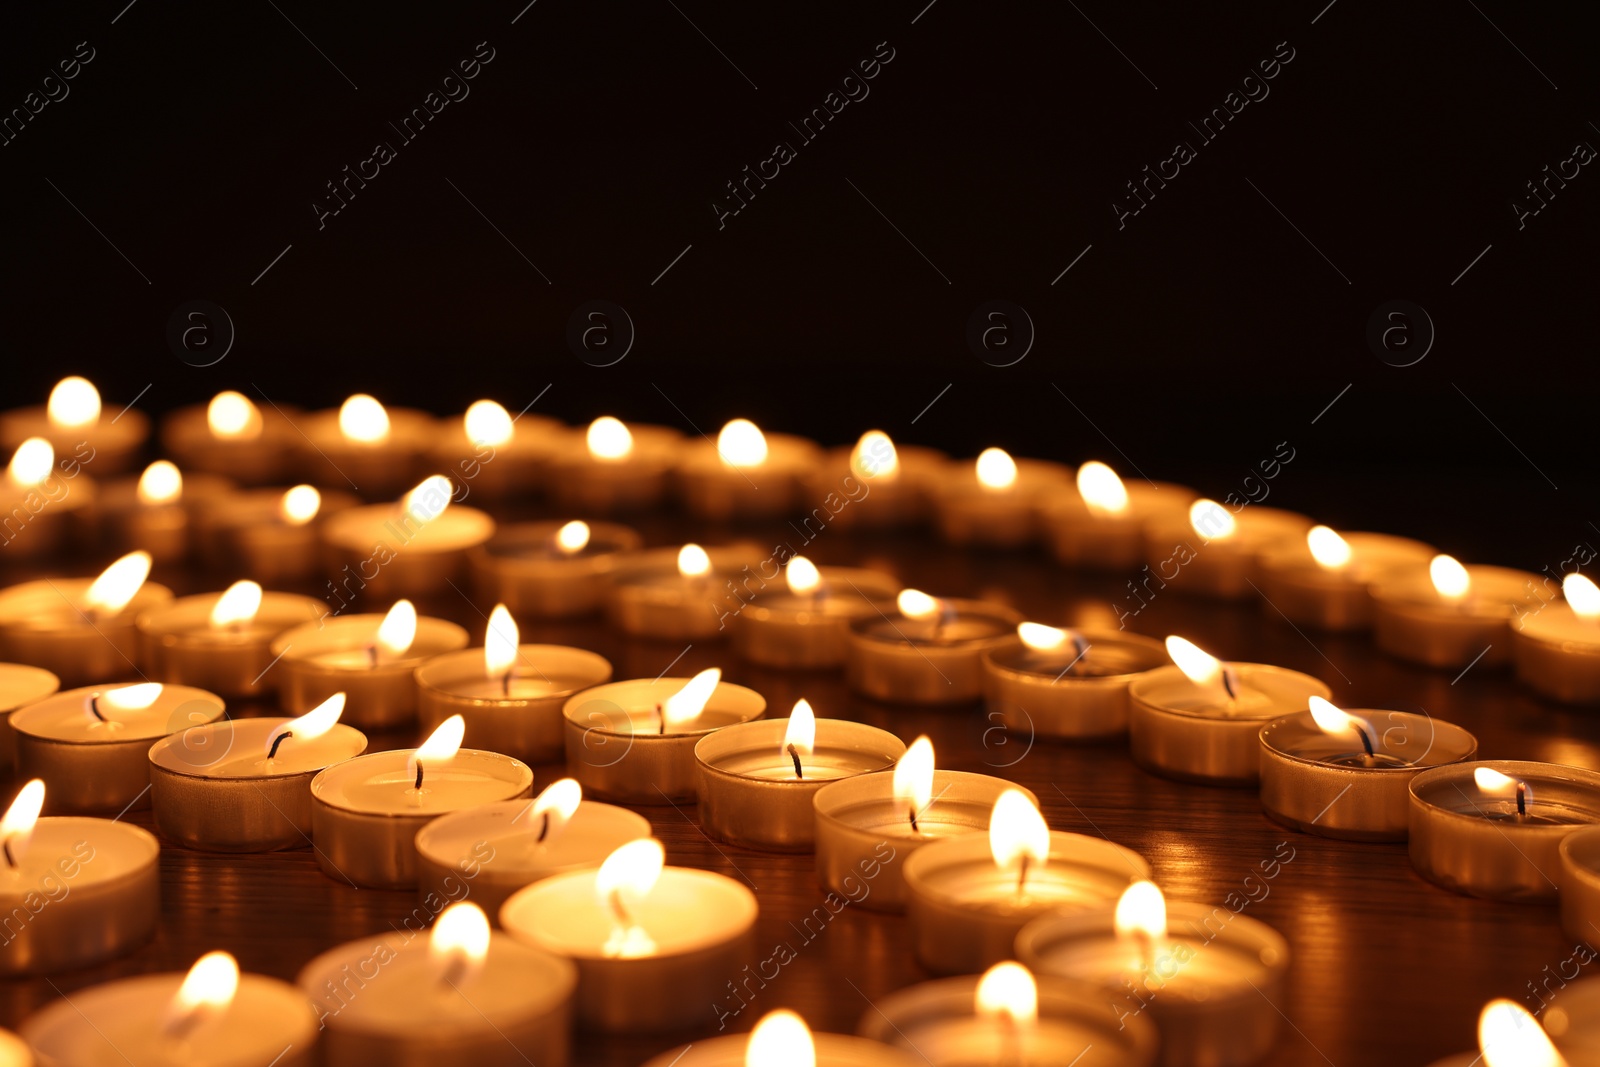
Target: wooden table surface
(1386,968)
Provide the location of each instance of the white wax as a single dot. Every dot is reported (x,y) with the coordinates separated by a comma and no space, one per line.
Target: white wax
(452,530)
(78,853)
(243,745)
(593,833)
(686,911)
(66,716)
(21,685)
(189,618)
(380,783)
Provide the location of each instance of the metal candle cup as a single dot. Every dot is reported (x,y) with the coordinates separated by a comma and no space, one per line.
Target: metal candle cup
(177,642)
(1412,621)
(615,748)
(19,686)
(42,624)
(970,513)
(650,599)
(1067,695)
(863,834)
(803,632)
(406,556)
(112,443)
(1336,599)
(91,766)
(1579,852)
(1181,730)
(521,718)
(187,437)
(522,567)
(1556,653)
(1326,784)
(1084,537)
(965,911)
(927,661)
(1224,567)
(212,787)
(715,491)
(1478,845)
(592,485)
(1212,985)
(749,794)
(832,1050)
(382,468)
(166,531)
(333,656)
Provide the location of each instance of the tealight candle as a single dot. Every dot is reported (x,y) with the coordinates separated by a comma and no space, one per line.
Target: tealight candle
(244,785)
(1066,684)
(14,1052)
(494,454)
(1326,581)
(877,483)
(155,512)
(42,508)
(614,467)
(212,1017)
(929,652)
(551,569)
(91,745)
(1556,649)
(808,625)
(677,595)
(1451,615)
(1103,524)
(635,741)
(1199,720)
(73,418)
(1216,551)
(19,685)
(758,779)
(866,826)
(1508,1035)
(1580,885)
(464,994)
(1492,829)
(232,437)
(268,535)
(374,450)
(1008,1016)
(366,811)
(370,658)
(746,474)
(495,849)
(782,1039)
(653,944)
(89,888)
(510,694)
(79,629)
(221,641)
(1570,1023)
(968,896)
(415,547)
(1336,773)
(993,504)
(1212,979)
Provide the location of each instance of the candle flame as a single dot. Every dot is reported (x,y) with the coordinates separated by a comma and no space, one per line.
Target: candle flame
(312,725)
(802,576)
(32,462)
(1583,596)
(553,807)
(207,990)
(117,584)
(132,697)
(609,439)
(1197,665)
(1101,489)
(232,416)
(1211,520)
(74,403)
(1329,549)
(362,419)
(1142,912)
(1017,831)
(160,484)
(781,1039)
(300,505)
(1508,1036)
(800,737)
(573,537)
(621,884)
(487,423)
(16,829)
(440,747)
(688,702)
(1449,577)
(915,604)
(429,499)
(693,561)
(500,643)
(996,469)
(875,458)
(1042,638)
(1495,784)
(238,604)
(396,632)
(458,943)
(1334,720)
(1007,992)
(913,777)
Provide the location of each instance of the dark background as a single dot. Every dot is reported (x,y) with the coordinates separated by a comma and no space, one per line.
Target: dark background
(1190,342)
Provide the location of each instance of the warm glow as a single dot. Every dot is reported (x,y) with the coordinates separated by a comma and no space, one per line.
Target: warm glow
(552,808)
(781,1039)
(608,438)
(1508,1036)
(32,462)
(693,561)
(397,630)
(1198,665)
(996,469)
(802,576)
(1583,596)
(1042,638)
(1211,520)
(458,942)
(572,537)
(1496,784)
(1333,720)
(742,444)
(1327,548)
(915,604)
(500,643)
(133,697)
(300,505)
(1450,578)
(487,423)
(117,584)
(207,988)
(875,458)
(913,777)
(16,829)
(1008,992)
(237,605)
(800,738)
(74,403)
(628,874)
(362,419)
(1142,912)
(688,702)
(160,484)
(1101,489)
(429,499)
(440,747)
(1017,832)
(312,725)
(232,416)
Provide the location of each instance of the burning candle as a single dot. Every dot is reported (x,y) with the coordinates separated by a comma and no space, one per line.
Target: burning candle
(681,595)
(782,1039)
(613,467)
(635,741)
(463,994)
(929,652)
(877,483)
(221,641)
(807,625)
(1199,719)
(758,779)
(551,569)
(1341,774)
(994,504)
(746,474)
(1580,885)
(1493,829)
(509,694)
(90,888)
(496,849)
(268,535)
(79,629)
(496,454)
(968,896)
(1326,581)
(867,825)
(244,785)
(232,437)
(1451,615)
(1508,1036)
(1103,525)
(212,1017)
(1556,647)
(20,685)
(1210,978)
(416,546)
(376,451)
(366,811)
(1217,551)
(74,424)
(1066,684)
(370,658)
(155,512)
(42,508)
(653,944)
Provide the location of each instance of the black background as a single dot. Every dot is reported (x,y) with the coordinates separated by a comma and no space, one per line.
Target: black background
(1190,342)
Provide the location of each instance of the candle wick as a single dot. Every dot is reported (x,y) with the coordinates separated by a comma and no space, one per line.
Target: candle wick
(454,971)
(794,754)
(505,683)
(11,861)
(620,910)
(914,828)
(372,654)
(1366,741)
(1522,800)
(544,828)
(272,753)
(94,707)
(418,786)
(1231,686)
(661,713)
(1022,875)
